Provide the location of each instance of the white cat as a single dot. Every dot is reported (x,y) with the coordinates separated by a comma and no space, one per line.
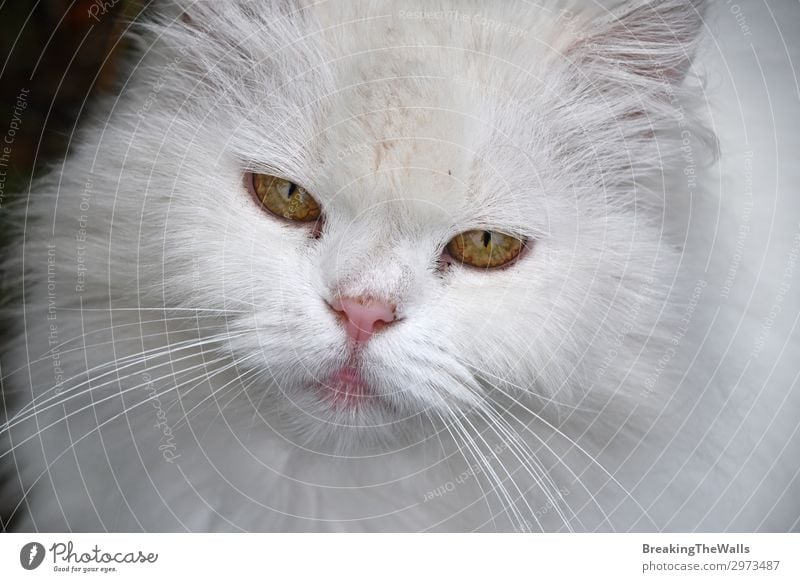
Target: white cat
(407,266)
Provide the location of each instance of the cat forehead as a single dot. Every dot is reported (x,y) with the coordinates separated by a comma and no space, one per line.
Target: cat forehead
(421,177)
(403,138)
(354,79)
(468,25)
(363,51)
(473,44)
(447,156)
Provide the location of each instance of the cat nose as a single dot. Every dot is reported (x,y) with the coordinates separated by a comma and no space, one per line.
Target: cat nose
(363,317)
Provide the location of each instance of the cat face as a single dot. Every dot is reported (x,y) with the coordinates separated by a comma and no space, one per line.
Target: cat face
(403,138)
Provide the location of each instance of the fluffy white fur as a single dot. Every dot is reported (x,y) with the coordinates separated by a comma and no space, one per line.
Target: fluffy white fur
(609,380)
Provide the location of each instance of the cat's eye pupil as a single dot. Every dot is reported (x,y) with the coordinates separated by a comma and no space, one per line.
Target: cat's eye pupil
(487,238)
(292,188)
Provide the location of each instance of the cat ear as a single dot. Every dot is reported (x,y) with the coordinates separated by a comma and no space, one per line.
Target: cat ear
(648,39)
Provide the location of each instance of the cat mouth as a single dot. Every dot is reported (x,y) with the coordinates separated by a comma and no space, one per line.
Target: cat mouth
(346,388)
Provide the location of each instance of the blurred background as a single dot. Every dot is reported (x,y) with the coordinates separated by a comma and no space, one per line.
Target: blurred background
(57,55)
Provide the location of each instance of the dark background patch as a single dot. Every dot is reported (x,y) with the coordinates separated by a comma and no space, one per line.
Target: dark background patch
(58,55)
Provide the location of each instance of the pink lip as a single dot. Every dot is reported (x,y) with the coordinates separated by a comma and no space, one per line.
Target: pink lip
(345,387)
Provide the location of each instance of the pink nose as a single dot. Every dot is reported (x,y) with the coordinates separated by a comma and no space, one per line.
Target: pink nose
(363,318)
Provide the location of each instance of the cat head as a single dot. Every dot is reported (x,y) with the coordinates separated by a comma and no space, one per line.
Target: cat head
(411,212)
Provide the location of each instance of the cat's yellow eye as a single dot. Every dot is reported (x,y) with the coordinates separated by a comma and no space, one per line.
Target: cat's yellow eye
(485,249)
(285,199)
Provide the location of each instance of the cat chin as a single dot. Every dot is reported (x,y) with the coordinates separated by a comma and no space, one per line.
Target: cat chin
(317,426)
(314,417)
